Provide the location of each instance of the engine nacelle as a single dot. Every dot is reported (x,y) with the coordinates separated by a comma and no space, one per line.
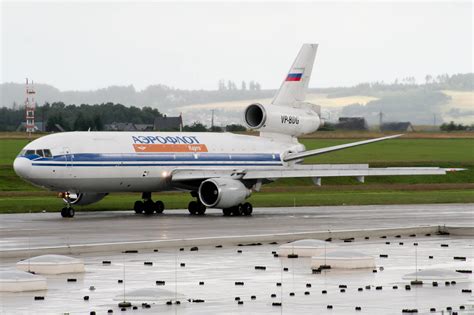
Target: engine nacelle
(83,199)
(292,121)
(222,193)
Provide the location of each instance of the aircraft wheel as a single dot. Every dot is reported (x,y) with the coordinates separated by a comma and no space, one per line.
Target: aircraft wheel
(138,206)
(159,206)
(247,209)
(237,211)
(193,207)
(71,212)
(64,212)
(201,209)
(149,207)
(227,212)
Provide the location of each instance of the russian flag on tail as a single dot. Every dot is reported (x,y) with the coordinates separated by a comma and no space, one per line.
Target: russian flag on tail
(294,77)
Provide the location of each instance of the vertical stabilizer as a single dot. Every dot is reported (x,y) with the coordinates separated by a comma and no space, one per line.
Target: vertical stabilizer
(293,89)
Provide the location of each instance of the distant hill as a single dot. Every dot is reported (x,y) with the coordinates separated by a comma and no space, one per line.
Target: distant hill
(157,96)
(444,97)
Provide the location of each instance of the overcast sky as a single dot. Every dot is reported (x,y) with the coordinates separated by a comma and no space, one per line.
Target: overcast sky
(191,45)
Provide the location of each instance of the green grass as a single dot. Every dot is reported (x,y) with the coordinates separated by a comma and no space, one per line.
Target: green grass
(397,152)
(286,199)
(9,149)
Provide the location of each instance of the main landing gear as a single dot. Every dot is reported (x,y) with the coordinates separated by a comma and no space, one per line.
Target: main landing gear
(67,212)
(148,206)
(242,209)
(196,207)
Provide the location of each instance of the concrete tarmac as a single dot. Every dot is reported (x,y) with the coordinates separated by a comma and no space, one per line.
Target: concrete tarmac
(22,231)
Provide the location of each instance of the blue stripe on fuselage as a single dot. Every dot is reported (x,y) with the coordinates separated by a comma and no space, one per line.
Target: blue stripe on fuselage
(163,159)
(154,164)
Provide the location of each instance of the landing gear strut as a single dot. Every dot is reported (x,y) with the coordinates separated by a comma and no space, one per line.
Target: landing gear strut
(242,209)
(67,212)
(147,206)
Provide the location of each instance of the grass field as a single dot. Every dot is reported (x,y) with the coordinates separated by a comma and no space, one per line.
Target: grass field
(269,199)
(17,195)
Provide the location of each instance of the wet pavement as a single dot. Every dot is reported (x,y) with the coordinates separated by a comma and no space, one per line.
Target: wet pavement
(49,229)
(210,274)
(213,279)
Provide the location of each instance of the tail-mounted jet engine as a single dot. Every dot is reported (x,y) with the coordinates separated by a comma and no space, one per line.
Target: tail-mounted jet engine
(222,193)
(82,199)
(293,121)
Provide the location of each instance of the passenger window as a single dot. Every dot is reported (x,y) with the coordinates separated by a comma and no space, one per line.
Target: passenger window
(47,153)
(39,152)
(30,152)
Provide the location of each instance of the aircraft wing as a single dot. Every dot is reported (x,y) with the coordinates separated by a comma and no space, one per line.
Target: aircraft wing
(313,171)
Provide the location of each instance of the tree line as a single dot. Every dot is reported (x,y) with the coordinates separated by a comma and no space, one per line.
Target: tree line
(452,126)
(92,117)
(82,117)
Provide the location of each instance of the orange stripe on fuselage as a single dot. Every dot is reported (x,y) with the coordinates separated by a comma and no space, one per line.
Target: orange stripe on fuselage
(169,147)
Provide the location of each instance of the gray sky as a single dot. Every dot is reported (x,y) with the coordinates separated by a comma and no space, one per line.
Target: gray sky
(191,45)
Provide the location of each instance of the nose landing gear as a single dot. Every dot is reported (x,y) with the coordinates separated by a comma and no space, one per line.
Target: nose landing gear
(67,212)
(148,206)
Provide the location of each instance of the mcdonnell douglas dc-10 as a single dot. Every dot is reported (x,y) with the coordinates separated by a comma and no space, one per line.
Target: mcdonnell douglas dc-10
(220,170)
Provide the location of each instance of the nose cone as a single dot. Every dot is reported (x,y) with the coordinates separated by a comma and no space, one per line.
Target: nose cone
(22,167)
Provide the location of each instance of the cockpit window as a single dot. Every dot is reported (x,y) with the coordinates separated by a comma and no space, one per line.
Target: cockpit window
(40,152)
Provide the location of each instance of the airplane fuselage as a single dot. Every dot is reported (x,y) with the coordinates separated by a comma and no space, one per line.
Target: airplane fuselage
(103,162)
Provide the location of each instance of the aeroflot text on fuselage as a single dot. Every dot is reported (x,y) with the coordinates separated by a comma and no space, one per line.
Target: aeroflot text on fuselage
(290,119)
(165,140)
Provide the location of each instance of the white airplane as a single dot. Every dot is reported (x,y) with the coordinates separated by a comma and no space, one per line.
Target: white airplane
(220,170)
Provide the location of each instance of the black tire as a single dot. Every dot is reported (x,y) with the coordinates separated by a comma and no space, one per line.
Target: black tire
(71,212)
(193,207)
(64,212)
(247,209)
(227,212)
(149,207)
(138,207)
(237,211)
(159,206)
(201,209)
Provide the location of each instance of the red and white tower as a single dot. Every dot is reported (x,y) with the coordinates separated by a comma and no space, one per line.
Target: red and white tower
(30,107)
